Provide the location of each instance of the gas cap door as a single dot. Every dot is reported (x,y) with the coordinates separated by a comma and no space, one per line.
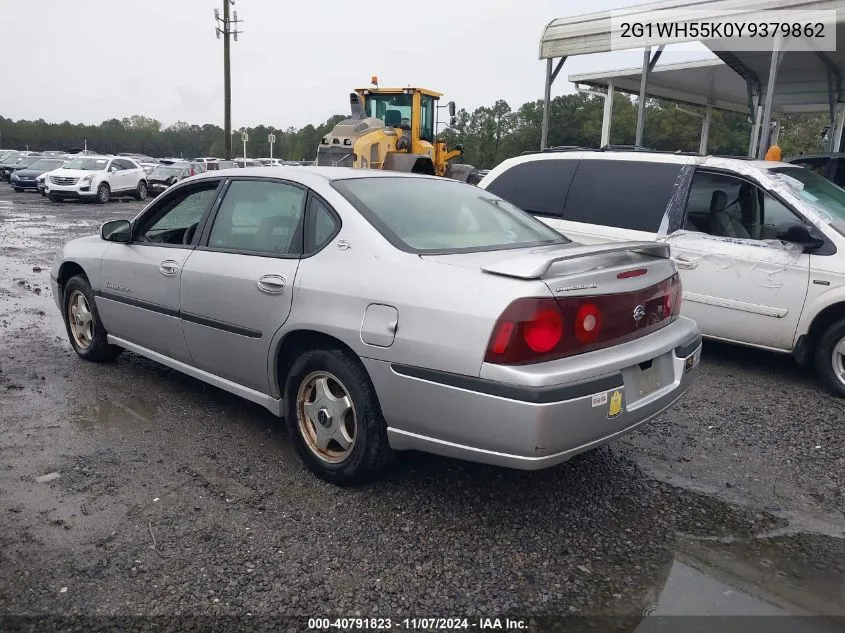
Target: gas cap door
(379,326)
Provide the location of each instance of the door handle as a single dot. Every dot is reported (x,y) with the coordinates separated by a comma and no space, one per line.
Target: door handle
(168,267)
(682,262)
(272,284)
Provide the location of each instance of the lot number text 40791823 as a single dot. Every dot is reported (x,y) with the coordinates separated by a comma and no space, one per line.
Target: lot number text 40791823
(416,624)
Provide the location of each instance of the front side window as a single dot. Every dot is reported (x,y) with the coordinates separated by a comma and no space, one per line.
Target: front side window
(259,217)
(392,109)
(727,206)
(441,215)
(176,217)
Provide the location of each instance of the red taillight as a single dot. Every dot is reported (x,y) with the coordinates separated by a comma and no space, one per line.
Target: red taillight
(529,329)
(544,331)
(537,329)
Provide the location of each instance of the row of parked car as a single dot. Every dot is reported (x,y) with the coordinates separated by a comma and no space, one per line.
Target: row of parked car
(90,176)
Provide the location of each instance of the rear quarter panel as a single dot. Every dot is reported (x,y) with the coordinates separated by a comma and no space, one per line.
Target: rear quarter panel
(445,313)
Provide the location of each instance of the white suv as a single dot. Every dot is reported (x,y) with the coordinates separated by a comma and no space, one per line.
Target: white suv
(760,245)
(97,178)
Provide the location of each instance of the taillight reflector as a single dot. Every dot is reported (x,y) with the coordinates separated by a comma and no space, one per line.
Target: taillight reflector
(588,323)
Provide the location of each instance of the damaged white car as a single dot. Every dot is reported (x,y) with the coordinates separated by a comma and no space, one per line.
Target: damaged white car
(760,245)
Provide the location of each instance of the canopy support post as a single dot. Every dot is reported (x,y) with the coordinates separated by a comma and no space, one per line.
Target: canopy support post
(607,116)
(648,65)
(705,129)
(777,56)
(836,130)
(551,75)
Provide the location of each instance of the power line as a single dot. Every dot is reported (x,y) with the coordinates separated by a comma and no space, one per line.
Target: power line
(229,28)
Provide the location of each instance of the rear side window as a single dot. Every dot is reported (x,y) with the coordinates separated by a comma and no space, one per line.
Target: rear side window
(624,194)
(538,187)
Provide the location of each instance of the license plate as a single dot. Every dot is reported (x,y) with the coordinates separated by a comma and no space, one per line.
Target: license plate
(649,380)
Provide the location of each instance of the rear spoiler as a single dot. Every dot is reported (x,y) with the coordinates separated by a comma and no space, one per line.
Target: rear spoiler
(535,265)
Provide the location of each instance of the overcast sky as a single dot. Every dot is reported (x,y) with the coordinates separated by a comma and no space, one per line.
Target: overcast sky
(92,60)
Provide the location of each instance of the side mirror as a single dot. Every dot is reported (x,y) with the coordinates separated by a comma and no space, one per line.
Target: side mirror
(800,233)
(451,108)
(116,231)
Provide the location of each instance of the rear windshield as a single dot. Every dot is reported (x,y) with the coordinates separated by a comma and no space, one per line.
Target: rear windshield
(439,215)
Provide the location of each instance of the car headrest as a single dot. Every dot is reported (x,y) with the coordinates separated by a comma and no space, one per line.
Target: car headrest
(718,201)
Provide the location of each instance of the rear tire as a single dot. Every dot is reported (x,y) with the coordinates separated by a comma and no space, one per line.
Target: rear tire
(103,193)
(85,331)
(344,409)
(141,191)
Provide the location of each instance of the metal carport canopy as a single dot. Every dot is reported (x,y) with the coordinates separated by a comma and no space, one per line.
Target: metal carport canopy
(805,81)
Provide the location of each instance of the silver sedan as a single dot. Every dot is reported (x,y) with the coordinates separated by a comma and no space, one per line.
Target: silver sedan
(379,312)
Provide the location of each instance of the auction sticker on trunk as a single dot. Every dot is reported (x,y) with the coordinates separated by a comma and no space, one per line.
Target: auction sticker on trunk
(599,399)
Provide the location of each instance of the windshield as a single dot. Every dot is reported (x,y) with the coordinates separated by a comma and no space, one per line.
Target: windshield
(165,171)
(394,110)
(87,164)
(442,215)
(26,161)
(817,189)
(46,164)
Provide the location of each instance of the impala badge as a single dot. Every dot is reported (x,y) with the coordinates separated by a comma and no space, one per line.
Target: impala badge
(639,313)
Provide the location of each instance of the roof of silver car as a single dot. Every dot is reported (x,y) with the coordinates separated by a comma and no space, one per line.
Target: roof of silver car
(329,173)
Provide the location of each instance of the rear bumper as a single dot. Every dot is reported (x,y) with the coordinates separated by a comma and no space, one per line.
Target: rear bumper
(531,427)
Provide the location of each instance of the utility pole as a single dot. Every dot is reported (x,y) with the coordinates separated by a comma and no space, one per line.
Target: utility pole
(226,31)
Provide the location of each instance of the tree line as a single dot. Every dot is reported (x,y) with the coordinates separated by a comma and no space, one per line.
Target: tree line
(489,134)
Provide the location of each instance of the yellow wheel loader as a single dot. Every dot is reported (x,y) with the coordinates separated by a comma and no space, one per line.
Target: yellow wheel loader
(394,129)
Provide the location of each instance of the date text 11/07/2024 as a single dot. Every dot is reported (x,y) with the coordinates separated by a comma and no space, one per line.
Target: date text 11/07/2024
(417,624)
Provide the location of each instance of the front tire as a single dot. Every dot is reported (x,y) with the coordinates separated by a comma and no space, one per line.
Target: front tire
(141,191)
(85,331)
(334,417)
(17,189)
(830,357)
(54,198)
(103,193)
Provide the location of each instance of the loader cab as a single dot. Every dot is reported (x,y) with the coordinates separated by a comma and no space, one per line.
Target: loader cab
(415,105)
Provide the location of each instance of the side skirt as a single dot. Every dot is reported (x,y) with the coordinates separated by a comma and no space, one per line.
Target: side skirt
(275,406)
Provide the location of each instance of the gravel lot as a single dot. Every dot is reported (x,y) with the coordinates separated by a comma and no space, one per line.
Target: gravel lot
(174,498)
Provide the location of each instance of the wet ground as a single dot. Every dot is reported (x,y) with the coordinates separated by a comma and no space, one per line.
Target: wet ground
(129,489)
